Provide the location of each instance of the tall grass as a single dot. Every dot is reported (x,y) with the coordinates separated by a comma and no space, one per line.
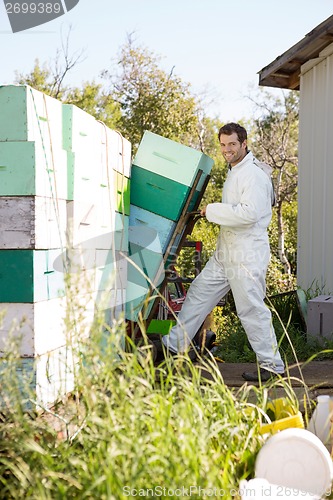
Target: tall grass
(136,430)
(132,429)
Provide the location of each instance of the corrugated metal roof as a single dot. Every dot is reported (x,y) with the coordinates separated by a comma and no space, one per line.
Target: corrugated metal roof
(284,72)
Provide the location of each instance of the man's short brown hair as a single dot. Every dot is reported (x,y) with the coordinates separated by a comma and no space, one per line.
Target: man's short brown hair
(230,128)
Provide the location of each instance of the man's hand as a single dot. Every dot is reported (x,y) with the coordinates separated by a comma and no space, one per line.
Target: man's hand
(203,212)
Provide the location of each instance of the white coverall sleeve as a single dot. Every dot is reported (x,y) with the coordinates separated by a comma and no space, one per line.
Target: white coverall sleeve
(252,205)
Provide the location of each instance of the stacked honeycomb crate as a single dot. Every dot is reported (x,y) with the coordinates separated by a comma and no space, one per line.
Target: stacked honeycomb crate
(99,161)
(33,191)
(112,247)
(163,174)
(61,232)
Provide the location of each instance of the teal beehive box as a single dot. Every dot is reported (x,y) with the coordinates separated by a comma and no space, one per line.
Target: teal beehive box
(29,115)
(172,160)
(157,194)
(164,227)
(28,276)
(145,270)
(26,169)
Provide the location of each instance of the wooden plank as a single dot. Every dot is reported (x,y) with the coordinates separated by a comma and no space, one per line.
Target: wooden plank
(17,222)
(314,375)
(291,61)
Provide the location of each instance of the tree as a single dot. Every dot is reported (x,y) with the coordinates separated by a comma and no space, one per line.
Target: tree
(151,99)
(50,77)
(93,98)
(275,141)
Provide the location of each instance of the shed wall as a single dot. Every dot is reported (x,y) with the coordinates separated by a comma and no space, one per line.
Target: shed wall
(315,185)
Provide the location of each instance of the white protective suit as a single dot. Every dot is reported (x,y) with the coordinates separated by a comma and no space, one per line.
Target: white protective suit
(239,262)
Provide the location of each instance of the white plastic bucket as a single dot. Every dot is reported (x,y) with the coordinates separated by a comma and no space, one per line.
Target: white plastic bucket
(296,458)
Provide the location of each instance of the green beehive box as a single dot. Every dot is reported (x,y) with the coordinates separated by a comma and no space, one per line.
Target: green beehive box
(29,115)
(28,276)
(157,194)
(172,160)
(80,130)
(24,171)
(121,193)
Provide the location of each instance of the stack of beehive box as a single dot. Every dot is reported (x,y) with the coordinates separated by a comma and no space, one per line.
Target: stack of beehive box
(112,247)
(163,174)
(33,189)
(59,217)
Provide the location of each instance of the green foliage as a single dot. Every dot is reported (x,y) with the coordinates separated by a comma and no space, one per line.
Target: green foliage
(289,215)
(93,99)
(234,347)
(41,78)
(277,281)
(151,99)
(232,343)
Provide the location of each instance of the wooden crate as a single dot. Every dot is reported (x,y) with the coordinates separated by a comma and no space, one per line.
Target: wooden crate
(80,130)
(26,169)
(29,276)
(157,194)
(29,115)
(145,269)
(112,303)
(40,380)
(38,328)
(163,227)
(32,222)
(171,159)
(111,270)
(116,151)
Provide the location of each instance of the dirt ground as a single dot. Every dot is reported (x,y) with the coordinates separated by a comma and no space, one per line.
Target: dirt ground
(317,375)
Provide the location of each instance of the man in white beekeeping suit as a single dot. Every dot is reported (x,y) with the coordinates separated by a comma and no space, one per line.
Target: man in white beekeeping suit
(241,258)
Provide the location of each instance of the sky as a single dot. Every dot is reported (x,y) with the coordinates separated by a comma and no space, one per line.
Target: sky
(218,46)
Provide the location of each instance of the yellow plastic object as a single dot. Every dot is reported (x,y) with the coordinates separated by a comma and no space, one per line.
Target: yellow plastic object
(283,423)
(281,408)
